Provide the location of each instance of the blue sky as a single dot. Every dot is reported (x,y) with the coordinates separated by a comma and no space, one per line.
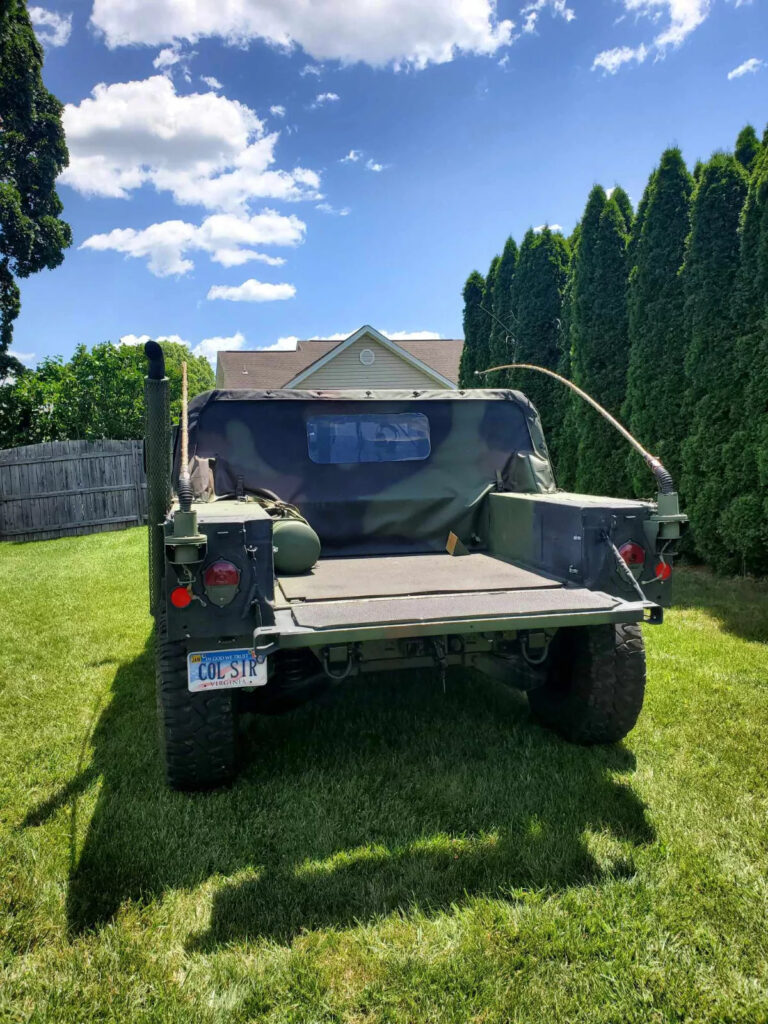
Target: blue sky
(209,193)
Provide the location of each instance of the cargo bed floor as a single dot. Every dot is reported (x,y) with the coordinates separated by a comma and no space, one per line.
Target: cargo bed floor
(342,579)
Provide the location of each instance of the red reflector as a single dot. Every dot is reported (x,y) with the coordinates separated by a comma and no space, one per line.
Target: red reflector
(180,597)
(632,553)
(221,574)
(663,570)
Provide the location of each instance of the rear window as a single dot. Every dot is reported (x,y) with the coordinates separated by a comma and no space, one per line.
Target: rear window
(368,437)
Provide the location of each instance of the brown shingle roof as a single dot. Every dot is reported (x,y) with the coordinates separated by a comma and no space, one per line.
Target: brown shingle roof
(274,369)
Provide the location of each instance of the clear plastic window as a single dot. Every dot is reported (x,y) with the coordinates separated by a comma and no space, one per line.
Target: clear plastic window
(368,437)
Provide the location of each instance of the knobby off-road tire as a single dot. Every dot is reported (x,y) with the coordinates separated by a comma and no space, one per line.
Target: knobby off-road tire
(594,683)
(198,731)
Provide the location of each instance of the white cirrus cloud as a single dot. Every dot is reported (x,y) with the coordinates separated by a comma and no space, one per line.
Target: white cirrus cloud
(749,67)
(203,148)
(211,82)
(311,69)
(324,98)
(372,165)
(342,211)
(52,29)
(227,239)
(352,156)
(251,291)
(277,110)
(531,11)
(552,227)
(683,17)
(167,58)
(210,347)
(27,358)
(398,32)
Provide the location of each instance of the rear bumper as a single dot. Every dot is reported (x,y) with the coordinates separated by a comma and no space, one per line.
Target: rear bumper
(321,623)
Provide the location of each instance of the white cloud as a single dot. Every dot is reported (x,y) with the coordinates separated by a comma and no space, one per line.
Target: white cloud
(142,339)
(209,347)
(52,29)
(251,291)
(325,97)
(749,67)
(344,211)
(24,357)
(410,335)
(167,58)
(202,148)
(278,110)
(399,32)
(611,60)
(352,156)
(684,16)
(287,344)
(311,69)
(373,166)
(226,238)
(552,227)
(530,13)
(211,82)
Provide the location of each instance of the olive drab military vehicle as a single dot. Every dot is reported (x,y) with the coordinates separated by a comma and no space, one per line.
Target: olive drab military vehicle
(299,539)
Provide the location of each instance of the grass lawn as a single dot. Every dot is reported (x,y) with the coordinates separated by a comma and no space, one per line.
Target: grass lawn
(395,854)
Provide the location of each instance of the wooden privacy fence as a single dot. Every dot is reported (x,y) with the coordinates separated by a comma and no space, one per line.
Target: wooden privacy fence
(63,488)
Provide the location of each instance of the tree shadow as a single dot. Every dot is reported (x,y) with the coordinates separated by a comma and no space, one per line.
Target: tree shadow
(388,795)
(738,603)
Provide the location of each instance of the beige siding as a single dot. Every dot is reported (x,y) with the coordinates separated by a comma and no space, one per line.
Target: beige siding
(388,370)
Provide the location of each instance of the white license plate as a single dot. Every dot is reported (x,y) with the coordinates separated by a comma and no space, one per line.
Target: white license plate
(225,670)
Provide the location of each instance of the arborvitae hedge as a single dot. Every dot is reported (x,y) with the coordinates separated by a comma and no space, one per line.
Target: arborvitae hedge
(714,403)
(474,325)
(653,410)
(483,344)
(502,328)
(664,320)
(542,272)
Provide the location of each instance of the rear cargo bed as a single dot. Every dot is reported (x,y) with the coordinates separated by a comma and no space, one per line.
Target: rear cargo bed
(345,599)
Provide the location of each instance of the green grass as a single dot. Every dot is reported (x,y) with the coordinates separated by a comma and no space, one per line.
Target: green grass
(394,854)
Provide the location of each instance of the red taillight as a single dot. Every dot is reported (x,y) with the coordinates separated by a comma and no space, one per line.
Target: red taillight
(221,574)
(663,571)
(632,553)
(180,597)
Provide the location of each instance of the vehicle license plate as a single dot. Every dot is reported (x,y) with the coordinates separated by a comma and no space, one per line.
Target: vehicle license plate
(225,670)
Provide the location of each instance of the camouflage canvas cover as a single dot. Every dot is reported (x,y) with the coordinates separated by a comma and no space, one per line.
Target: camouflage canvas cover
(374,472)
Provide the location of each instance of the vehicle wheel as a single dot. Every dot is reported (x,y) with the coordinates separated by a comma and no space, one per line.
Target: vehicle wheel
(198,731)
(295,681)
(594,682)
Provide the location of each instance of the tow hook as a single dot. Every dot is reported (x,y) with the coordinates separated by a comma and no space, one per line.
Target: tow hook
(535,647)
(349,660)
(440,654)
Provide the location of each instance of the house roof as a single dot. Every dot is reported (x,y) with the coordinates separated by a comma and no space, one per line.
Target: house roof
(274,369)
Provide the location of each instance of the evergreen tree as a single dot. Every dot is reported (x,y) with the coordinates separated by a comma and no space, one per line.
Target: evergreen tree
(542,272)
(639,221)
(474,324)
(747,147)
(656,377)
(624,203)
(713,401)
(32,154)
(744,524)
(483,344)
(502,328)
(599,350)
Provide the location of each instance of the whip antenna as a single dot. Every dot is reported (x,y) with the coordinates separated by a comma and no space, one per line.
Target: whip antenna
(185,484)
(663,478)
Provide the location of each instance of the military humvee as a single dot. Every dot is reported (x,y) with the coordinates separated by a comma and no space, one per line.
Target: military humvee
(319,535)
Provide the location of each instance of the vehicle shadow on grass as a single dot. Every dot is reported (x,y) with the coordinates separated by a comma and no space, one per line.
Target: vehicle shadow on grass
(738,603)
(388,795)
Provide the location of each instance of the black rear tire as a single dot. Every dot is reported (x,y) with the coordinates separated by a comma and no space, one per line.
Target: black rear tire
(198,731)
(594,683)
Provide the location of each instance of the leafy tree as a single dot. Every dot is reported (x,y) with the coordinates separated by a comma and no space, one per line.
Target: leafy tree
(747,147)
(599,349)
(474,324)
(713,401)
(744,523)
(501,346)
(542,272)
(96,394)
(483,343)
(32,153)
(656,377)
